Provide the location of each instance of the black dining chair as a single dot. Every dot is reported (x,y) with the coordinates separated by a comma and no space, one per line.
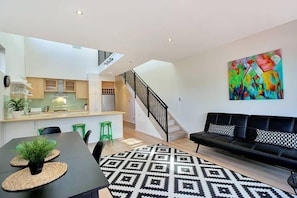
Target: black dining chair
(86,138)
(97,154)
(50,130)
(98,151)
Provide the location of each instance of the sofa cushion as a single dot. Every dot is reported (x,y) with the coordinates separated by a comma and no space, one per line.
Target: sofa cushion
(221,129)
(290,154)
(224,138)
(204,135)
(277,138)
(243,143)
(269,148)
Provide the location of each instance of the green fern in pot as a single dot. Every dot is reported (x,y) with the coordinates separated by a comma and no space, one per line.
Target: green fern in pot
(35,152)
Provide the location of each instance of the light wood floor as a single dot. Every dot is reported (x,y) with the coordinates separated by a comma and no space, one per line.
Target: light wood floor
(271,175)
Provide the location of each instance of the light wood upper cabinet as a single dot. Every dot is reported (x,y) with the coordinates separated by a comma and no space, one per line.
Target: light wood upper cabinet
(107,85)
(50,85)
(37,85)
(41,85)
(82,89)
(69,85)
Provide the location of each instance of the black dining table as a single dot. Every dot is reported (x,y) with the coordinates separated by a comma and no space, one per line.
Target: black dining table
(83,177)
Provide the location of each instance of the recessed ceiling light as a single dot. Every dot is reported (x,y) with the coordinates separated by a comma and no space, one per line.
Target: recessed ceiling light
(169,40)
(79,12)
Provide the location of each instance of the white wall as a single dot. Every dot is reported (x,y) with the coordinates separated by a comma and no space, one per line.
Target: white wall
(50,59)
(14,55)
(12,51)
(2,59)
(201,82)
(1,109)
(2,88)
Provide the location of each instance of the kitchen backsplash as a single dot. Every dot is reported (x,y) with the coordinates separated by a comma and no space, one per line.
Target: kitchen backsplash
(67,101)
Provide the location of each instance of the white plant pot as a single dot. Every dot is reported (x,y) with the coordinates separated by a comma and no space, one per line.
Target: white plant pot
(16,114)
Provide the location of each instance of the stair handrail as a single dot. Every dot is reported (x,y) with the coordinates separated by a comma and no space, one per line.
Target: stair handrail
(154,104)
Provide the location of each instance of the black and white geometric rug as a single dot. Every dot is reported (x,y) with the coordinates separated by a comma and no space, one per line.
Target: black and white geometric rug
(161,171)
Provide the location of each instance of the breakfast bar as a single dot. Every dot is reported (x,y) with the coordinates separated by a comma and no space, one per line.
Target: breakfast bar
(28,125)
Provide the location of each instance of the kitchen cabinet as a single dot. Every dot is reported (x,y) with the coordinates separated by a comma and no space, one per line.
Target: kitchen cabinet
(82,89)
(69,85)
(50,85)
(108,88)
(107,84)
(37,85)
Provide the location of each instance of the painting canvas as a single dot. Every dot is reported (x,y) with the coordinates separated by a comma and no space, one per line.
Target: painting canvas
(256,77)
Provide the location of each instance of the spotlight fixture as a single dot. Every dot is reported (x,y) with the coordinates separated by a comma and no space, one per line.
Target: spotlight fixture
(79,12)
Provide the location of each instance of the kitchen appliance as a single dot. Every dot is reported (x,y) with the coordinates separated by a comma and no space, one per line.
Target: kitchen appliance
(108,102)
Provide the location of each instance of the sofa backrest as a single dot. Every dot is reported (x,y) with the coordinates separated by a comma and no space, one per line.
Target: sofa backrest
(270,123)
(246,125)
(238,120)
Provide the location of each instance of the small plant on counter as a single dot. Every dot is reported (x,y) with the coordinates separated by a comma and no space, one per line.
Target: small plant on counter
(16,104)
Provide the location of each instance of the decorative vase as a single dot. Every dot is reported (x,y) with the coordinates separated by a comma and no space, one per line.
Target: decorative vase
(35,167)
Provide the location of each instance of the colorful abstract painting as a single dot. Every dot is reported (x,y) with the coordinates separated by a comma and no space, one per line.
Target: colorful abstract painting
(256,77)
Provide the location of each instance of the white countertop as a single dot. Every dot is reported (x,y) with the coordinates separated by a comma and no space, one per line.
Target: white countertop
(56,115)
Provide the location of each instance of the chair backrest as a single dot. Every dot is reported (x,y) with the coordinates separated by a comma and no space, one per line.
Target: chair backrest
(50,130)
(86,138)
(98,150)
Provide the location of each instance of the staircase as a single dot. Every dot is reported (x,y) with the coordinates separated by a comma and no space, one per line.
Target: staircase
(174,130)
(168,128)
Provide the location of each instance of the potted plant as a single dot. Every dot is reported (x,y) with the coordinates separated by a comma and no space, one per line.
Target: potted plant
(35,152)
(16,106)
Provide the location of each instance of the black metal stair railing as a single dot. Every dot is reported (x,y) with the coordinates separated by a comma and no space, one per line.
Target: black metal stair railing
(155,106)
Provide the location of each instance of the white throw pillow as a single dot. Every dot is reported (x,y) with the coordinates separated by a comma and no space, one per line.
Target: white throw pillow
(285,139)
(222,129)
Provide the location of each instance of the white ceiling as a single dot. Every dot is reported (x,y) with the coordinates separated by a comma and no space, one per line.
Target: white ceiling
(140,29)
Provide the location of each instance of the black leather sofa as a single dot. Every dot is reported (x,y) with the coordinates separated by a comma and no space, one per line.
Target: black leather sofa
(245,140)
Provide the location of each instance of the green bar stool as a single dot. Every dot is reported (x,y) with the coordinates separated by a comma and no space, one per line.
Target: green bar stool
(104,135)
(40,130)
(81,126)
